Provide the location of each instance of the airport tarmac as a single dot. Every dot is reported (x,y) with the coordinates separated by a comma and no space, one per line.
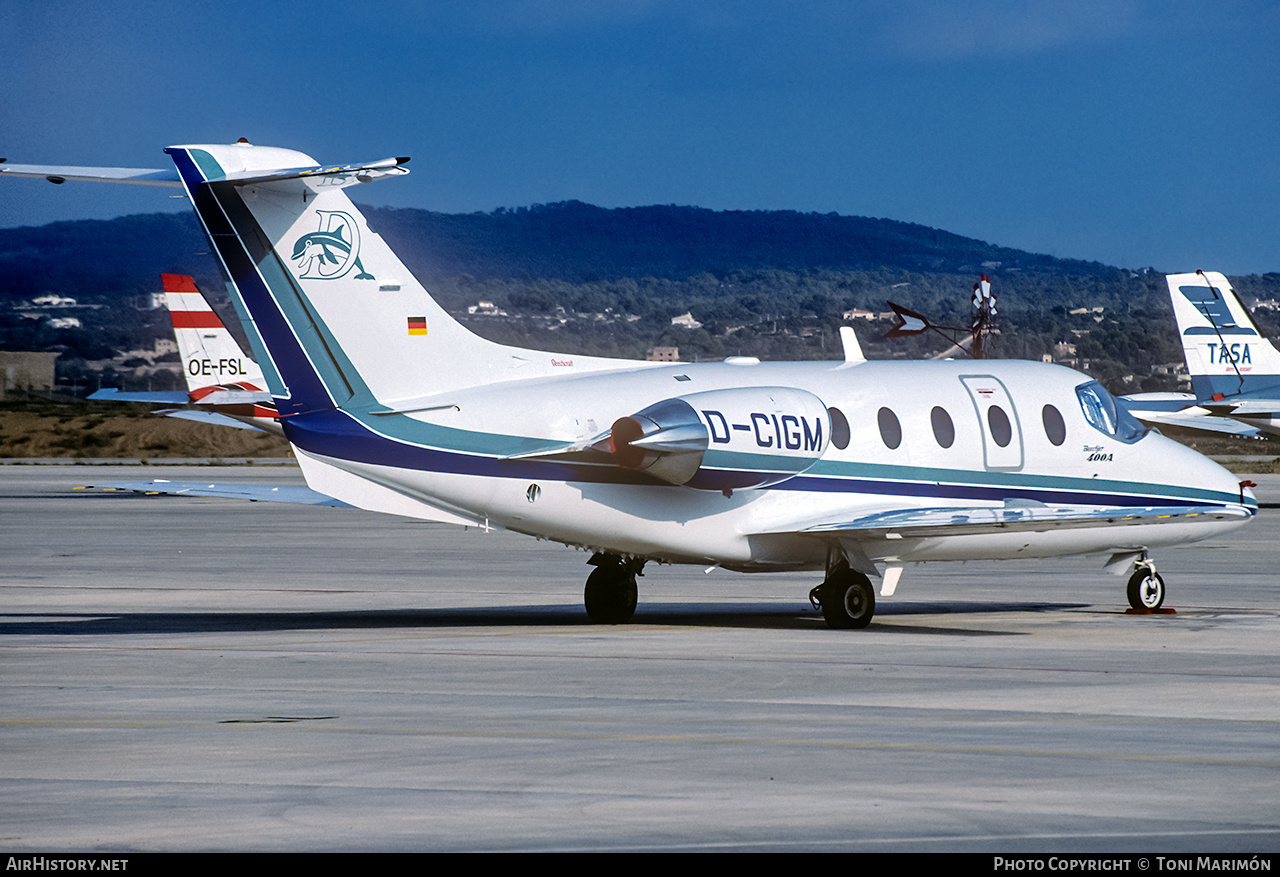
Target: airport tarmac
(210,674)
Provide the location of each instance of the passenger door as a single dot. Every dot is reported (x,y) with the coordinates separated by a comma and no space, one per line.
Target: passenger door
(997,421)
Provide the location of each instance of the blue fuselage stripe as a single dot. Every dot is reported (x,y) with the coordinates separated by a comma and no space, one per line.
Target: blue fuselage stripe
(339,436)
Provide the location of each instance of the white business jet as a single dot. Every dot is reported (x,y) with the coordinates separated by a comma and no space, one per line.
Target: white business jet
(851,468)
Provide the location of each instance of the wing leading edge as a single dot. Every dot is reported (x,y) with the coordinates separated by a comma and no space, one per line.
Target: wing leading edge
(923,523)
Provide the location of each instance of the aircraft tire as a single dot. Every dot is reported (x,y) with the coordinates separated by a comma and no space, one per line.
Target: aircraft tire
(611,594)
(848,600)
(1146,590)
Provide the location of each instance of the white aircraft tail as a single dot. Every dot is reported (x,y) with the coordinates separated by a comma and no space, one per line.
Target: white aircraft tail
(1226,353)
(210,355)
(344,322)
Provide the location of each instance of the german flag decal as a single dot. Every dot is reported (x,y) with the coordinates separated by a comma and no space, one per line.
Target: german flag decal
(417,325)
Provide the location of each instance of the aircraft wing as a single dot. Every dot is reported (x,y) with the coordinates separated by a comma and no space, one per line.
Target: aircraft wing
(1181,410)
(160,397)
(957,521)
(1203,422)
(252,492)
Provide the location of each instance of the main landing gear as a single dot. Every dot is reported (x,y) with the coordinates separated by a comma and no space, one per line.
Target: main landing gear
(1146,588)
(846,598)
(611,594)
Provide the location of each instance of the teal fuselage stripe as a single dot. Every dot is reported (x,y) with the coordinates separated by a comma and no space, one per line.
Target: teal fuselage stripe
(343,436)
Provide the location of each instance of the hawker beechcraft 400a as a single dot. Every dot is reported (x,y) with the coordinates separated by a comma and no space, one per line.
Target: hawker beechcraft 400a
(851,468)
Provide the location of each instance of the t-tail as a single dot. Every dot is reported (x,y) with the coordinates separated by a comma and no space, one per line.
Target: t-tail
(342,321)
(1227,356)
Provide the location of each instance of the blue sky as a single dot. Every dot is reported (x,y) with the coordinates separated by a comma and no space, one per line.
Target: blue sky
(1130,132)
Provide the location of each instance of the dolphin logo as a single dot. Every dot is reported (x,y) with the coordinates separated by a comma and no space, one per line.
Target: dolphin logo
(328,254)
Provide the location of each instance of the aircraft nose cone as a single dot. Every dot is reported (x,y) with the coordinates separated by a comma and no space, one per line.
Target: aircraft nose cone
(1205,479)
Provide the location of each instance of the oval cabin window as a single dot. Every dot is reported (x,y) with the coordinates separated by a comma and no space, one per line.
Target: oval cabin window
(839,428)
(1001,428)
(943,429)
(890,429)
(1054,426)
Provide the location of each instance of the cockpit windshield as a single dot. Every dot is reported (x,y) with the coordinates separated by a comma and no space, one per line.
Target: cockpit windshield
(1108,416)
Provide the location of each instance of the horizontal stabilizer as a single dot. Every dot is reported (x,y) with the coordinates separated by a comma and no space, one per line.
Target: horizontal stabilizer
(1255,404)
(223,396)
(339,176)
(211,417)
(62,173)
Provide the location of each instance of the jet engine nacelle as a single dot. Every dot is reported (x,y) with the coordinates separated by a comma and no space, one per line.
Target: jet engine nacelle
(725,439)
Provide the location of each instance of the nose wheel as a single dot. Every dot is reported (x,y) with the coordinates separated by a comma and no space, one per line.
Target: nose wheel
(1146,588)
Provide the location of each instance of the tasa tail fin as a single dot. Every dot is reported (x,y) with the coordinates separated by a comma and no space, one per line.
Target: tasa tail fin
(1226,353)
(343,321)
(210,355)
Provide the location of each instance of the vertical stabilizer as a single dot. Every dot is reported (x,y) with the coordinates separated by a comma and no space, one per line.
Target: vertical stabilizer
(344,322)
(210,355)
(1226,353)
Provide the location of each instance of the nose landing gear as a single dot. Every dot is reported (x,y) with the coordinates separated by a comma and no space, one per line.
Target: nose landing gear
(1146,588)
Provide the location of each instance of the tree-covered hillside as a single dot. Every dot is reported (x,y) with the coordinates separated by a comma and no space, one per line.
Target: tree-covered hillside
(569,241)
(576,278)
(578,242)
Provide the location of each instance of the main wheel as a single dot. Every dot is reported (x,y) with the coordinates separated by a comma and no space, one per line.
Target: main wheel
(1146,590)
(848,600)
(611,594)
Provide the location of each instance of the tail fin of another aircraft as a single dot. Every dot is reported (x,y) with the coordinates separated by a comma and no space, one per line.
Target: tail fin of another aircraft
(210,355)
(1226,353)
(344,322)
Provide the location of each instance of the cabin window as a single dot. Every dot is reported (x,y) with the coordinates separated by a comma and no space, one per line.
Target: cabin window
(943,429)
(1001,428)
(1054,426)
(890,429)
(839,428)
(1106,416)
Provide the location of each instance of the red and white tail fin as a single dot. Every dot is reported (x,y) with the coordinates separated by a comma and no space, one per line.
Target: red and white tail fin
(210,355)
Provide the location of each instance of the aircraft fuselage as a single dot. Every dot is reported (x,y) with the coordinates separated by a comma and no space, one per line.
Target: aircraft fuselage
(919,435)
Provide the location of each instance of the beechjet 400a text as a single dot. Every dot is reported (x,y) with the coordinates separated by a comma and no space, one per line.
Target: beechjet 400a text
(851,468)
